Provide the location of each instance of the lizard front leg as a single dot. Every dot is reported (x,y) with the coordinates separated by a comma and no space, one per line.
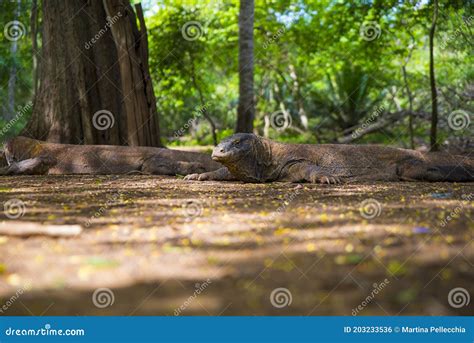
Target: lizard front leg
(221,174)
(306,172)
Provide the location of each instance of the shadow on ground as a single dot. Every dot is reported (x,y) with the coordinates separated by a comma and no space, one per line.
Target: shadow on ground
(163,246)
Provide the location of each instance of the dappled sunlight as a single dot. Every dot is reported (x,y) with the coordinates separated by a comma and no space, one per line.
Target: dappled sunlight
(247,239)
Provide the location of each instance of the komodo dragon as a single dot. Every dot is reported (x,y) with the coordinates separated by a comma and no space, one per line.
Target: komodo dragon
(29,156)
(251,158)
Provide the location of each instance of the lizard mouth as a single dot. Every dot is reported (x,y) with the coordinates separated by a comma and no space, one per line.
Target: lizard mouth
(219,155)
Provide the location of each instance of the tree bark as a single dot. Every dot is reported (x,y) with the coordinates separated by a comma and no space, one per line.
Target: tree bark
(153,112)
(246,107)
(138,98)
(410,108)
(434,96)
(83,95)
(34,42)
(409,94)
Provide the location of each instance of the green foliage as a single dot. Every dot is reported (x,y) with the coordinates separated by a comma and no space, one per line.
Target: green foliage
(314,58)
(15,30)
(188,72)
(329,64)
(347,97)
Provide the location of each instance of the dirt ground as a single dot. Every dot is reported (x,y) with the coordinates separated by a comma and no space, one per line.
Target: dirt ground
(163,246)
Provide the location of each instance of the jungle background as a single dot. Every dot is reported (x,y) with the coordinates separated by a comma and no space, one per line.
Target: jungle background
(329,67)
(186,74)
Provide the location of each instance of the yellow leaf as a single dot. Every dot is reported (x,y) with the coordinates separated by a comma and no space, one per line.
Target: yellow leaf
(281,231)
(324,218)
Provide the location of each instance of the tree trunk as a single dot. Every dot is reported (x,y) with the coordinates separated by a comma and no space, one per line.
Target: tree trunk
(434,95)
(410,108)
(408,91)
(85,91)
(132,51)
(203,103)
(246,107)
(34,42)
(299,98)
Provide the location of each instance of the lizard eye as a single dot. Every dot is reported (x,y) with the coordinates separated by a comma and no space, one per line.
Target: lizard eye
(237,141)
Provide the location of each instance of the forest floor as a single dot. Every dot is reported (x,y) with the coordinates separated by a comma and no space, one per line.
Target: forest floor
(154,245)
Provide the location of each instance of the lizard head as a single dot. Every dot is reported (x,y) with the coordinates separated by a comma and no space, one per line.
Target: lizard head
(244,154)
(234,148)
(21,148)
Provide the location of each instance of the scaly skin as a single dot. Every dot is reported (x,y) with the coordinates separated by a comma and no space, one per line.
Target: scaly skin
(30,156)
(251,158)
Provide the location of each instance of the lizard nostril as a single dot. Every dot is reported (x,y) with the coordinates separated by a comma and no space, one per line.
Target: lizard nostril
(221,150)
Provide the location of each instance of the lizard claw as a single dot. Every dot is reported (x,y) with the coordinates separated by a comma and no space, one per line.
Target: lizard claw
(329,180)
(197,177)
(334,180)
(203,177)
(191,177)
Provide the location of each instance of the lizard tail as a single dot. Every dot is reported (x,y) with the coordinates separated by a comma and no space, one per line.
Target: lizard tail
(438,172)
(459,173)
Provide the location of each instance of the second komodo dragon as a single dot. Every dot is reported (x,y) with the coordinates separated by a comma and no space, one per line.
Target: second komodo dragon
(24,155)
